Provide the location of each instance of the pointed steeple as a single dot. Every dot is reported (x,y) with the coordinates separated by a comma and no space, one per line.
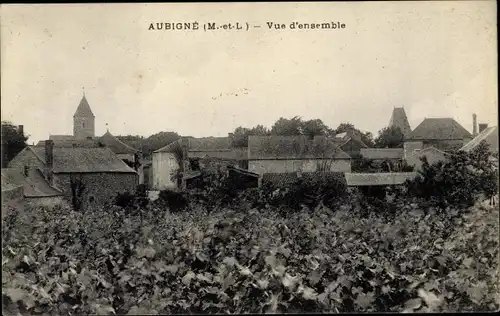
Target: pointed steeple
(83,109)
(400,120)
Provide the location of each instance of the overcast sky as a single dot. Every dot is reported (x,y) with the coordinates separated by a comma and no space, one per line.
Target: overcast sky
(437,59)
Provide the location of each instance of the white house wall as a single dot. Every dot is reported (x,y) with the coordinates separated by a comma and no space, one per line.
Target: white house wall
(164,166)
(306,165)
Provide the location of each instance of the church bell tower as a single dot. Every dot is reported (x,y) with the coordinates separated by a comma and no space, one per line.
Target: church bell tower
(83,121)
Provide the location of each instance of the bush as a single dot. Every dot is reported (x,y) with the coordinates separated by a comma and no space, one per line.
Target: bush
(125,200)
(311,190)
(175,201)
(460,181)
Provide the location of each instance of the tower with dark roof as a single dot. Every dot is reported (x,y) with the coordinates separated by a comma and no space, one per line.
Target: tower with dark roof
(83,121)
(399,119)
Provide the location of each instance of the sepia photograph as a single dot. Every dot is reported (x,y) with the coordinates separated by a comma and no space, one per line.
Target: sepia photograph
(249,158)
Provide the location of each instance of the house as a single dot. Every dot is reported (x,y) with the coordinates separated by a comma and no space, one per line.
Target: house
(486,134)
(432,154)
(122,150)
(350,143)
(196,150)
(445,134)
(36,188)
(399,119)
(284,154)
(99,169)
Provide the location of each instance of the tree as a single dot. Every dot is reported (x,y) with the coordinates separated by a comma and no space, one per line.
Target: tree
(157,141)
(13,141)
(314,127)
(389,137)
(240,134)
(287,127)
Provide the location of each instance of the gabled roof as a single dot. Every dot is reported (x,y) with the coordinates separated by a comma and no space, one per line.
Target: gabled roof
(293,147)
(84,109)
(116,145)
(399,119)
(375,179)
(33,186)
(84,160)
(209,144)
(489,135)
(213,147)
(382,153)
(439,129)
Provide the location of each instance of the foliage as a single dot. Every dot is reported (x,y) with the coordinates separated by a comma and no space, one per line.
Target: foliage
(389,137)
(459,181)
(125,199)
(58,261)
(311,190)
(240,134)
(78,190)
(371,166)
(173,200)
(12,142)
(180,156)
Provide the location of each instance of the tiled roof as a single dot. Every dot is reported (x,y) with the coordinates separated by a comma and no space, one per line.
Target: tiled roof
(209,144)
(116,145)
(399,119)
(439,129)
(213,147)
(293,147)
(373,179)
(7,183)
(84,109)
(33,186)
(82,160)
(231,154)
(489,135)
(382,153)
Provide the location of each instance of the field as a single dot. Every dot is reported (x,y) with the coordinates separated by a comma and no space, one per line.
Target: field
(242,259)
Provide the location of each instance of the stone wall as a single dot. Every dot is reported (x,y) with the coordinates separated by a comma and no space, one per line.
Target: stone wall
(100,187)
(306,165)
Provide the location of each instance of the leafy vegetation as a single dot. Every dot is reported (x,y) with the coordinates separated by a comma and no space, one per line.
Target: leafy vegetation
(310,246)
(389,137)
(153,261)
(458,181)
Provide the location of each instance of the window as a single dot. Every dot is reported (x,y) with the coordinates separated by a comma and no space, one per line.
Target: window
(83,124)
(26,170)
(172,162)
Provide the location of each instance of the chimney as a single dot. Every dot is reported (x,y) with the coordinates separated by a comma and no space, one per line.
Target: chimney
(474,124)
(482,127)
(49,159)
(20,130)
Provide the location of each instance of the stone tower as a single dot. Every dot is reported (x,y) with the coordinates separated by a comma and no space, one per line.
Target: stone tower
(83,121)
